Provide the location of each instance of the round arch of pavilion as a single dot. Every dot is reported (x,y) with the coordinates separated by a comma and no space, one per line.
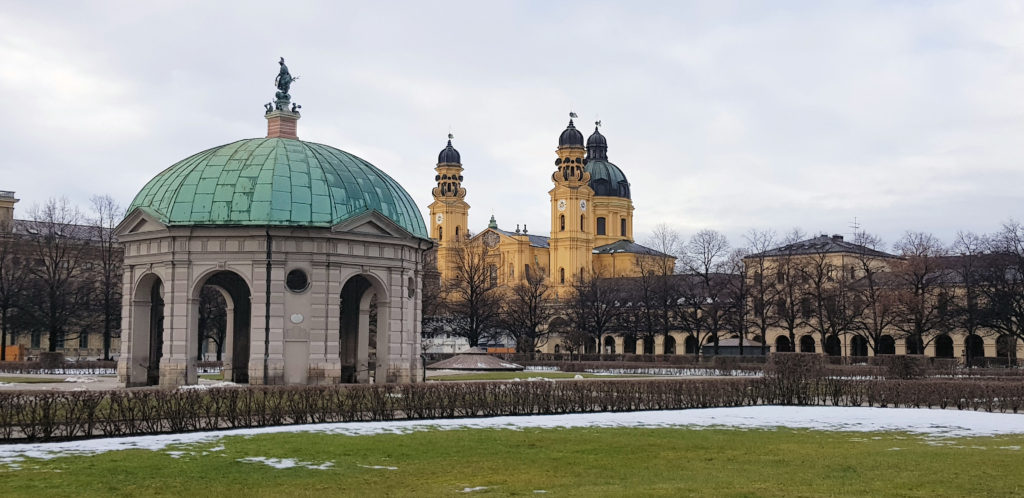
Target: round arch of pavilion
(237,295)
(363,331)
(144,348)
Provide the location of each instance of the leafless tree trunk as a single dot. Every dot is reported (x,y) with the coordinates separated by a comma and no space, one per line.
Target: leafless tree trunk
(13,272)
(526,312)
(472,292)
(703,305)
(762,292)
(874,293)
(109,261)
(922,288)
(57,246)
(596,305)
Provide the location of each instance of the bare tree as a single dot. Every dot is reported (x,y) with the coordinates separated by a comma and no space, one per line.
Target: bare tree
(595,306)
(791,308)
(967,311)
(703,305)
(873,290)
(526,312)
(108,266)
(833,313)
(1003,283)
(57,245)
(13,272)
(212,320)
(659,289)
(761,292)
(922,289)
(737,298)
(472,294)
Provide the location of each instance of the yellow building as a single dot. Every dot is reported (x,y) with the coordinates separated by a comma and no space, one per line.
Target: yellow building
(591,230)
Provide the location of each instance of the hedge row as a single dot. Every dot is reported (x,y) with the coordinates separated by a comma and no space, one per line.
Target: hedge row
(51,415)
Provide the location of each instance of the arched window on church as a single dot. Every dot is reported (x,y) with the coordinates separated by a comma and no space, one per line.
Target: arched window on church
(600,225)
(561,275)
(511,271)
(440,233)
(561,223)
(583,223)
(622,227)
(456,232)
(494,275)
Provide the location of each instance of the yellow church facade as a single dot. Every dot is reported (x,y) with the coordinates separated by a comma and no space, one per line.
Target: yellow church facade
(591,224)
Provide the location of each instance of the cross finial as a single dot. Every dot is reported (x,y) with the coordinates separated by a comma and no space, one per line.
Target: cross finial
(450,136)
(597,123)
(572,115)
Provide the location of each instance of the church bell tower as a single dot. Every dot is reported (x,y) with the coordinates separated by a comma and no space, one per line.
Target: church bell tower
(572,234)
(449,213)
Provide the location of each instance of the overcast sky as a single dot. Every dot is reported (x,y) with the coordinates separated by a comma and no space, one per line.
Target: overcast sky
(723,115)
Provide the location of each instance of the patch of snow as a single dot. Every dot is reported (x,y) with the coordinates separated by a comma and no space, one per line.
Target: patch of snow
(940,423)
(208,386)
(470,490)
(1014,448)
(80,379)
(382,467)
(540,491)
(578,376)
(286,463)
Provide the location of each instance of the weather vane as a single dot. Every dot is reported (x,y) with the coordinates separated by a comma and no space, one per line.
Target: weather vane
(450,136)
(597,123)
(572,115)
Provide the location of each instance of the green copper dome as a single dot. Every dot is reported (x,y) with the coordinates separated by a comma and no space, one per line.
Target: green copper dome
(275,181)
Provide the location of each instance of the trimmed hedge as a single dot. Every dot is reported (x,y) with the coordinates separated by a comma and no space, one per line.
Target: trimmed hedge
(54,415)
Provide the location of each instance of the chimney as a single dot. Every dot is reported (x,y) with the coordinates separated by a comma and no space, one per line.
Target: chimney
(837,238)
(283,123)
(7,201)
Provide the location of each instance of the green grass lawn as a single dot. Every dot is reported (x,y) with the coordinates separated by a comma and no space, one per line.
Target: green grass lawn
(562,462)
(216,376)
(526,375)
(31,380)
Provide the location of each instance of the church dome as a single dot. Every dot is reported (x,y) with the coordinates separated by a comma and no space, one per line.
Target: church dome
(275,182)
(449,155)
(606,179)
(571,137)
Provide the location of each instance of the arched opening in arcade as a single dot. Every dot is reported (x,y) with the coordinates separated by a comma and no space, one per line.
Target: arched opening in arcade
(648,345)
(221,321)
(858,346)
(832,346)
(609,345)
(974,347)
(629,345)
(944,346)
(886,345)
(147,332)
(363,322)
(1006,348)
(690,344)
(915,345)
(807,344)
(782,345)
(670,345)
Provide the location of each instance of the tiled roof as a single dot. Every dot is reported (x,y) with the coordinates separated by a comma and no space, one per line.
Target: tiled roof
(276,181)
(535,240)
(823,244)
(625,246)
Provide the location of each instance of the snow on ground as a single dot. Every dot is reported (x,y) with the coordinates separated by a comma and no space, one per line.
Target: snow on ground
(933,423)
(286,463)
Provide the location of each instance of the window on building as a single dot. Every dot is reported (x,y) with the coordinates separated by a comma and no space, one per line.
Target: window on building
(456,232)
(583,223)
(511,271)
(36,339)
(440,233)
(494,275)
(526,271)
(561,275)
(561,223)
(83,340)
(600,225)
(622,227)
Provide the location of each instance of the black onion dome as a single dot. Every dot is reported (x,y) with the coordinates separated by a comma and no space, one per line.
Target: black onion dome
(449,155)
(597,146)
(571,137)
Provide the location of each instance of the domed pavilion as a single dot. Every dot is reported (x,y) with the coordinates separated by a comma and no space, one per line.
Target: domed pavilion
(317,253)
